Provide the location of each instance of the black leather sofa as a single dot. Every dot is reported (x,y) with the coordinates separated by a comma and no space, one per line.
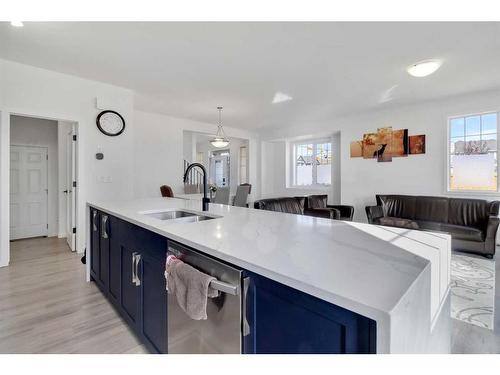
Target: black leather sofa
(293,205)
(317,205)
(472,223)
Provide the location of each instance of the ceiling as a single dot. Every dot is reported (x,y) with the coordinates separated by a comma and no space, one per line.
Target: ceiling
(330,69)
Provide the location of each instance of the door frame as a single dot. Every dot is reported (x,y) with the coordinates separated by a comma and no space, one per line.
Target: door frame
(46,179)
(5,114)
(212,170)
(71,200)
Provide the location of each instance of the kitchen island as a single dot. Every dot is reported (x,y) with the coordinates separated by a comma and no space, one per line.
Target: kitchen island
(393,283)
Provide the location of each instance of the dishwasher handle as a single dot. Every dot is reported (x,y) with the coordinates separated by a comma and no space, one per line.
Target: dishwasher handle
(218,285)
(225,287)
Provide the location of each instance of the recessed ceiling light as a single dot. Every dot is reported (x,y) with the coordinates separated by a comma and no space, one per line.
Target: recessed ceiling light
(423,68)
(16,23)
(280,97)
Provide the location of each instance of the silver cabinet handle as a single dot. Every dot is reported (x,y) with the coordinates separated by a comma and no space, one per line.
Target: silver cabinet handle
(104,226)
(137,260)
(94,219)
(246,326)
(134,277)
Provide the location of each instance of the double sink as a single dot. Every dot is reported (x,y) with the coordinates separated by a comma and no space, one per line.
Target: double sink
(178,216)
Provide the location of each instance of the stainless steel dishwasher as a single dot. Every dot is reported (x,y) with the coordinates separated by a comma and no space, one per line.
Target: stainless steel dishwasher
(221,332)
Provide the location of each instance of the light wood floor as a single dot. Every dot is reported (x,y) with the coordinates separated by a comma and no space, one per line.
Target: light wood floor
(47,307)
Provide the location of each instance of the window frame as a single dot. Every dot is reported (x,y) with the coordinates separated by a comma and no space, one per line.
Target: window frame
(243,177)
(293,164)
(448,156)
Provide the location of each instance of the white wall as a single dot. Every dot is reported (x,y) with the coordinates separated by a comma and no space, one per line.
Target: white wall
(159,145)
(27,90)
(29,131)
(275,166)
(361,179)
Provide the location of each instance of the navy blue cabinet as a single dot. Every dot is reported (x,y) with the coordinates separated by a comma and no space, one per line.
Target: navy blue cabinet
(130,291)
(104,240)
(128,262)
(116,236)
(283,320)
(153,299)
(94,243)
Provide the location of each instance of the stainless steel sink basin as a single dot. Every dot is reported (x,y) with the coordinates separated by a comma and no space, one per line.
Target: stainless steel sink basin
(178,216)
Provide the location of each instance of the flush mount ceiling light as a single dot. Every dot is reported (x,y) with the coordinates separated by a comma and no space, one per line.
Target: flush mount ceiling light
(423,68)
(16,23)
(220,140)
(280,97)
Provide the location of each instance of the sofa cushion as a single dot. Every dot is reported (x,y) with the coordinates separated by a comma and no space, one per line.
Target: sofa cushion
(429,225)
(402,206)
(432,209)
(469,212)
(460,232)
(397,222)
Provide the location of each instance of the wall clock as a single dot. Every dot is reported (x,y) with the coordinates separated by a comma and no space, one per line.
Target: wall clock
(110,123)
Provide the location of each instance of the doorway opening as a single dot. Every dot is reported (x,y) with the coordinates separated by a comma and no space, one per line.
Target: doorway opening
(43,186)
(226,168)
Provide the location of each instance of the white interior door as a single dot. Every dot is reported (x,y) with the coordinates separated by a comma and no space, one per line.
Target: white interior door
(219,170)
(28,192)
(71,191)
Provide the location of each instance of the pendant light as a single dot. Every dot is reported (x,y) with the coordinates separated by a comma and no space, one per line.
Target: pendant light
(220,140)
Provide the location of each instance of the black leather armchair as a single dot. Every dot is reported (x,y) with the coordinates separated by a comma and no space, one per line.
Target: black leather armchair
(294,205)
(317,205)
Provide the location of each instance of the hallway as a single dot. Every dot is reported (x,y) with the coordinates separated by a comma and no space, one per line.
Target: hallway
(47,307)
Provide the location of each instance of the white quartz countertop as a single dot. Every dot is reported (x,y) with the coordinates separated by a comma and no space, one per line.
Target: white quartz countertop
(357,266)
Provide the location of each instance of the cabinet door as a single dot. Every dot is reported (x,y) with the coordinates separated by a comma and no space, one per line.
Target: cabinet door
(283,320)
(153,302)
(116,241)
(129,290)
(94,243)
(104,251)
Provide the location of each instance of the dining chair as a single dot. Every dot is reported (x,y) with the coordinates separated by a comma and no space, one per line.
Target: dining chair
(249,187)
(166,191)
(241,197)
(222,195)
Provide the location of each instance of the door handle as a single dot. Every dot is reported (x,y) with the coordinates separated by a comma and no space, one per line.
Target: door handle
(65,191)
(94,217)
(104,227)
(137,260)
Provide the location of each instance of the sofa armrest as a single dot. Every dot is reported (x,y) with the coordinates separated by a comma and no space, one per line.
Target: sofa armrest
(491,235)
(328,213)
(345,211)
(373,213)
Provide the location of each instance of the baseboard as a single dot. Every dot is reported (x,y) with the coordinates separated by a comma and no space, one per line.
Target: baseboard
(61,235)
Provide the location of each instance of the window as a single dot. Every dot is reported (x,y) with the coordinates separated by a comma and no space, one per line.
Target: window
(243,165)
(312,163)
(472,153)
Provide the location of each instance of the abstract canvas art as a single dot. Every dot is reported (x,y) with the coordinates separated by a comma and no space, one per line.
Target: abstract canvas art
(417,144)
(356,149)
(386,144)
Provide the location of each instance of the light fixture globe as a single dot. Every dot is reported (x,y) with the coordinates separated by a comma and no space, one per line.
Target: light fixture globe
(220,140)
(424,68)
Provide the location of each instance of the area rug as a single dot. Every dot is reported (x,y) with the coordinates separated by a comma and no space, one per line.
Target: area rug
(473,290)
